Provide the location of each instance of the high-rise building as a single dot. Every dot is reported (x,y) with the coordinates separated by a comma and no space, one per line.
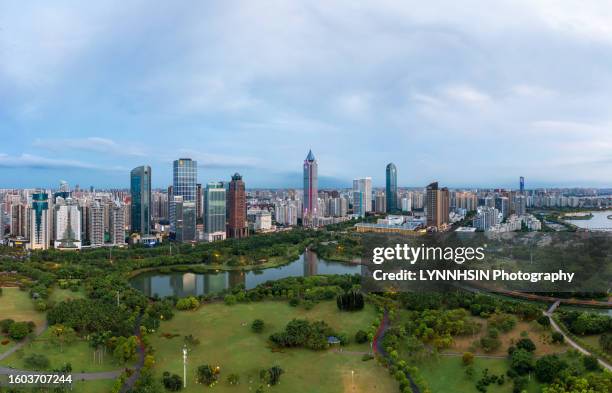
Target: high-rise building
(20,222)
(67,224)
(96,224)
(184,179)
(362,196)
(522,184)
(199,201)
(140,190)
(311,194)
(486,218)
(437,204)
(117,224)
(380,203)
(502,204)
(214,212)
(40,221)
(237,226)
(391,188)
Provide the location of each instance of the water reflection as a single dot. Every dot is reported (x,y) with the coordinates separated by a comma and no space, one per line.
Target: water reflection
(191,284)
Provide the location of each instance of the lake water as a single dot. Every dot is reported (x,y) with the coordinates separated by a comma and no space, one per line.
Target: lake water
(190,284)
(599,220)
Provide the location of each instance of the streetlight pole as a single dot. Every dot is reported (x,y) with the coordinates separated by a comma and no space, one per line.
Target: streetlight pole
(184,366)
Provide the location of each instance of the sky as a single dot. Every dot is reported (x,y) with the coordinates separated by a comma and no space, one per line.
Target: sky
(470,93)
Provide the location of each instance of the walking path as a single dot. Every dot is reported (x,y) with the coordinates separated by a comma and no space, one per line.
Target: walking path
(379,347)
(568,339)
(39,330)
(129,383)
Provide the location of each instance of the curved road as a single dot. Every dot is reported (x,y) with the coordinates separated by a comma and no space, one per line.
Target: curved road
(377,344)
(568,339)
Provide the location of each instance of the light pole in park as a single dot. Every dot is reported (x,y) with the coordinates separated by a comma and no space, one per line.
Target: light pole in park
(184,366)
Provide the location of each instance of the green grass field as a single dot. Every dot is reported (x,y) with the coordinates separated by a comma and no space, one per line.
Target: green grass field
(447,374)
(78,354)
(17,305)
(59,295)
(96,386)
(227,341)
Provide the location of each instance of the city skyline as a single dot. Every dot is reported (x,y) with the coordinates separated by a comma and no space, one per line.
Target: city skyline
(438,91)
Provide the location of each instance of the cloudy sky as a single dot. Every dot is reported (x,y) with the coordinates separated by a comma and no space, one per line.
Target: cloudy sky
(468,93)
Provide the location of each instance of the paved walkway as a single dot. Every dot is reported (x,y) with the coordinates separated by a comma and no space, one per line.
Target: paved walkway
(39,330)
(568,339)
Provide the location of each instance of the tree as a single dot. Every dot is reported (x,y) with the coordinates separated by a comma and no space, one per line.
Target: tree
(19,330)
(557,338)
(361,337)
(36,361)
(61,335)
(230,300)
(521,361)
(544,321)
(172,382)
(257,326)
(125,348)
(520,384)
(5,324)
(591,363)
(207,374)
(188,303)
(351,301)
(467,358)
(271,376)
(526,344)
(548,367)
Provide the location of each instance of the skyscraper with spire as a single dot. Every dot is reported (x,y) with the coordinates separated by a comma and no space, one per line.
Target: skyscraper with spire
(311,180)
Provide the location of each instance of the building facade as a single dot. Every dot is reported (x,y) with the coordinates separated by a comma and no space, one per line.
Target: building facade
(391,188)
(310,207)
(237,226)
(140,190)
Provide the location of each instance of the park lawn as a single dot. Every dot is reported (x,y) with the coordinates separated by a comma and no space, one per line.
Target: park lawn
(17,305)
(60,295)
(539,335)
(226,340)
(447,374)
(94,386)
(79,354)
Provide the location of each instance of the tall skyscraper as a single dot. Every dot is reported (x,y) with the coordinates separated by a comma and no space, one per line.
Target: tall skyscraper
(117,223)
(96,224)
(522,184)
(236,205)
(310,209)
(40,225)
(199,201)
(184,179)
(140,189)
(391,188)
(19,216)
(67,224)
(362,196)
(437,204)
(214,212)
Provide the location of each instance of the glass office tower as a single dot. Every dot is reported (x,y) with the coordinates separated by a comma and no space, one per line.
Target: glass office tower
(184,179)
(391,188)
(140,189)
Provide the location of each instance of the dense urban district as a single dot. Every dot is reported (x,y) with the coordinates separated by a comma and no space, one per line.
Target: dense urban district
(222,288)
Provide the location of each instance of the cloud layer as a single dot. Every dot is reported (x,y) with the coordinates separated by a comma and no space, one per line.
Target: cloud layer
(465,94)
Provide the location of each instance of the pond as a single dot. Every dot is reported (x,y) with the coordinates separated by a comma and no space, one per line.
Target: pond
(190,284)
(599,221)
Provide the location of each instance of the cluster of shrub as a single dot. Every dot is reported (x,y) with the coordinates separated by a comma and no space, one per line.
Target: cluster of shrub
(306,334)
(16,330)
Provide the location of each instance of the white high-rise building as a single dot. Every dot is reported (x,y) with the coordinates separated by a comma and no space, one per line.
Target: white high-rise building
(67,224)
(406,203)
(117,224)
(96,224)
(362,196)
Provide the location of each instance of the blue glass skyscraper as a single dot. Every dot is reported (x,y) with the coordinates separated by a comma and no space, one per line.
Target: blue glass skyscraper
(140,189)
(391,188)
(184,179)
